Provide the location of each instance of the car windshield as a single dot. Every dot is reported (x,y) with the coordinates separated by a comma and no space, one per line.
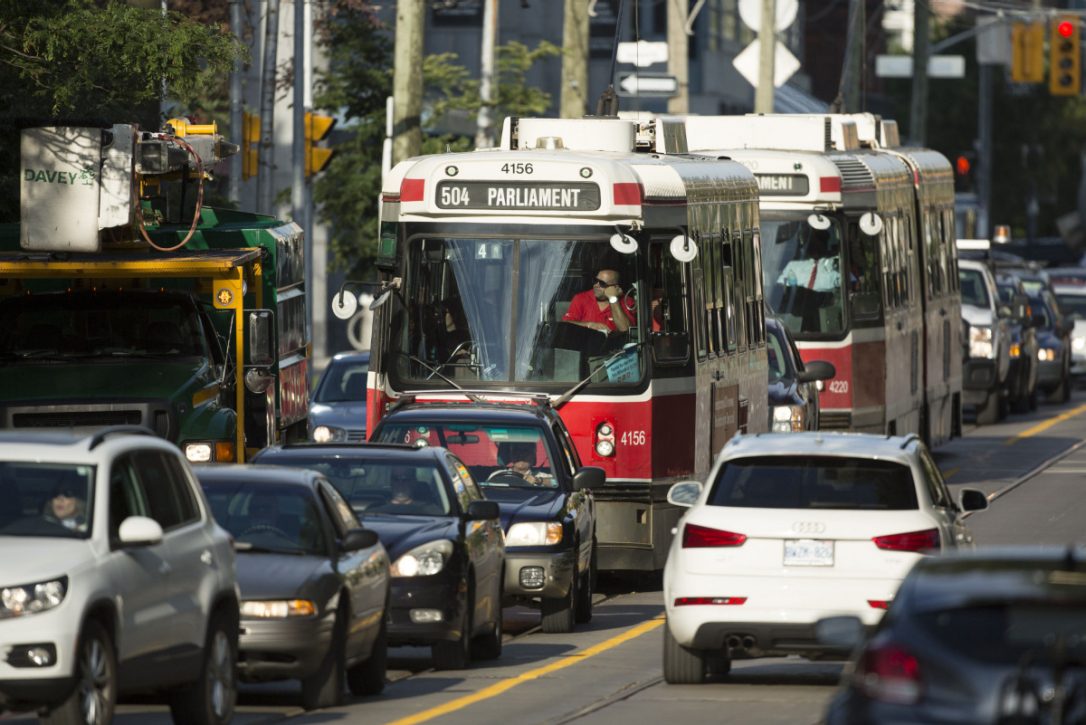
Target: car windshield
(46,499)
(394,487)
(343,381)
(1041,315)
(814,482)
(1072,304)
(974,290)
(496,455)
(109,324)
(780,367)
(267,518)
(507,310)
(1006,633)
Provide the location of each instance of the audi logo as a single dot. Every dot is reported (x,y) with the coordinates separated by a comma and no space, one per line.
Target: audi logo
(808,527)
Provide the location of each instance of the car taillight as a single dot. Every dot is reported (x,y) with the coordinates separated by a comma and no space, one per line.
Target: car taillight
(687,601)
(879,603)
(695,536)
(910,541)
(889,673)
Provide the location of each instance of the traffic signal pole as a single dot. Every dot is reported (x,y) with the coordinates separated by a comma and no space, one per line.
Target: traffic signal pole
(918,112)
(407,80)
(574,101)
(237,123)
(767,47)
(297,147)
(264,181)
(678,60)
(984,149)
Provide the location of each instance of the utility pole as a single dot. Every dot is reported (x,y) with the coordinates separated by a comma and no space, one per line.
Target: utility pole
(574,101)
(767,49)
(848,89)
(488,91)
(407,79)
(264,180)
(984,149)
(236,122)
(678,50)
(297,148)
(918,117)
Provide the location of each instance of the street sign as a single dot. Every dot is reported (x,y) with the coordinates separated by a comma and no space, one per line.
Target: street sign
(642,53)
(901,66)
(784,64)
(750,12)
(648,85)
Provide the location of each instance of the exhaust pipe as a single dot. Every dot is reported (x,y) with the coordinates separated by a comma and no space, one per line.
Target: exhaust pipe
(748,642)
(733,641)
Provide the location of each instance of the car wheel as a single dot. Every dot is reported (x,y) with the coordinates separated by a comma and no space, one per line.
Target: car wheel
(682,665)
(1059,393)
(1034,398)
(324,688)
(456,655)
(988,411)
(211,699)
(558,612)
(368,677)
(1066,382)
(583,613)
(95,695)
(489,646)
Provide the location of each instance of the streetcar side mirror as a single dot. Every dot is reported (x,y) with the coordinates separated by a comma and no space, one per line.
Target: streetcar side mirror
(865,306)
(260,338)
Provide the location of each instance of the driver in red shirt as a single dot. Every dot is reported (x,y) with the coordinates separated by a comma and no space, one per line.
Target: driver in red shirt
(604,307)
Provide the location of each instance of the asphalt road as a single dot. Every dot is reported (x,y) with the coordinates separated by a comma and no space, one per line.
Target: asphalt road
(1032,467)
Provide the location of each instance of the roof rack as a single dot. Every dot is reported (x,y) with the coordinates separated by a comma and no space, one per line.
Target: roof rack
(100,437)
(909,438)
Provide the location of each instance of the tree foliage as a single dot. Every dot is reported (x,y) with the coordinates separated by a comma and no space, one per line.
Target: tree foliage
(81,60)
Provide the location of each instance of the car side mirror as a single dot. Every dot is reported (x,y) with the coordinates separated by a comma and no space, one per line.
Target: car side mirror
(970,499)
(136,531)
(1004,311)
(841,634)
(357,539)
(816,370)
(684,493)
(589,478)
(482,510)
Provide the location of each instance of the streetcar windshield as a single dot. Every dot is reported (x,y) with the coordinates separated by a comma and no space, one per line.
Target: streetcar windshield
(803,272)
(519,310)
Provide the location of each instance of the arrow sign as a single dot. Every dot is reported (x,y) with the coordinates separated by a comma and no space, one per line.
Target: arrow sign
(635,84)
(642,53)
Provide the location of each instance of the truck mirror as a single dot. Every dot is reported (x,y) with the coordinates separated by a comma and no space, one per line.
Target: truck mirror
(260,338)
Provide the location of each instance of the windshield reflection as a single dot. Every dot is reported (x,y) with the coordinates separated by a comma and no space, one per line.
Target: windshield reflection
(517,310)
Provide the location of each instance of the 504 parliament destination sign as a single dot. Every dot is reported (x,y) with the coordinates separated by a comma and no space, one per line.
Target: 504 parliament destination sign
(518,195)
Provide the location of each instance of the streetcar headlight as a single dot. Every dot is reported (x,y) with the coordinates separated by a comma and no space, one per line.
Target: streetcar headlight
(32,598)
(788,418)
(329,434)
(605,440)
(423,560)
(980,342)
(534,533)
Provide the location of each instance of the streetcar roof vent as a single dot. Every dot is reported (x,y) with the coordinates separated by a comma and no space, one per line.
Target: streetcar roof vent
(549,143)
(854,173)
(872,131)
(594,134)
(787,132)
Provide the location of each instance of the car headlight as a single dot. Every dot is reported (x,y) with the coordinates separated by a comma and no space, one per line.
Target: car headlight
(32,598)
(329,434)
(281,609)
(534,533)
(1046,354)
(1079,343)
(980,342)
(788,418)
(423,560)
(208,451)
(1016,349)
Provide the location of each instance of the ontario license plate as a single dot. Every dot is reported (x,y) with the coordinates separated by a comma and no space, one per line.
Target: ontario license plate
(808,552)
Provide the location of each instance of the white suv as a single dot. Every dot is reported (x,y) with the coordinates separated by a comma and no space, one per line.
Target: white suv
(792,529)
(114,578)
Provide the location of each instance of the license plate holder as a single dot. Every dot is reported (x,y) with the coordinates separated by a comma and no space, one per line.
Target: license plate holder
(808,552)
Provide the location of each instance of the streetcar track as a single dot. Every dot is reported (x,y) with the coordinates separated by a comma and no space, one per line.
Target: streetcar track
(619,695)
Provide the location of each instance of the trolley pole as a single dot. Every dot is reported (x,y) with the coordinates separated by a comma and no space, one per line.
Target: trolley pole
(918,116)
(407,79)
(574,100)
(767,48)
(484,135)
(678,61)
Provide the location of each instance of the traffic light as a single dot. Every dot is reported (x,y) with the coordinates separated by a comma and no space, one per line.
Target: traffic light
(316,128)
(963,171)
(1065,57)
(1027,52)
(250,144)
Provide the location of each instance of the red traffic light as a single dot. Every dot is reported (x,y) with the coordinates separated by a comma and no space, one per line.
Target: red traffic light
(1066,29)
(962,165)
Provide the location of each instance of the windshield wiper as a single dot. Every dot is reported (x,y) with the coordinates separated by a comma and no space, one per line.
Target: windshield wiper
(565,397)
(472,397)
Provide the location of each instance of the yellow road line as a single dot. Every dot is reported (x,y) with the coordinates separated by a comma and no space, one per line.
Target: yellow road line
(504,685)
(1045,425)
(950,472)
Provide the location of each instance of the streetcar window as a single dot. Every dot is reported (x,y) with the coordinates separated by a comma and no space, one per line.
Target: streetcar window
(814,482)
(801,269)
(668,306)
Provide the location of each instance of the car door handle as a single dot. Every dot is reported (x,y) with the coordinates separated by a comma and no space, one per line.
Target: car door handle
(206,557)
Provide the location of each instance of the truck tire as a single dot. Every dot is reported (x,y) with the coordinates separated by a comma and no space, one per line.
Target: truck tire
(682,665)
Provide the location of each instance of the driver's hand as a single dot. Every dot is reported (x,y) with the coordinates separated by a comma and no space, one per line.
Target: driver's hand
(613,291)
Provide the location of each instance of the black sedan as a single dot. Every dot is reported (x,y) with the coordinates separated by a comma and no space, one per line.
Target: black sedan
(989,636)
(524,459)
(793,385)
(314,584)
(444,539)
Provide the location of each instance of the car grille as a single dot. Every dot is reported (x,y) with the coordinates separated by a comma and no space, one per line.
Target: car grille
(835,421)
(356,436)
